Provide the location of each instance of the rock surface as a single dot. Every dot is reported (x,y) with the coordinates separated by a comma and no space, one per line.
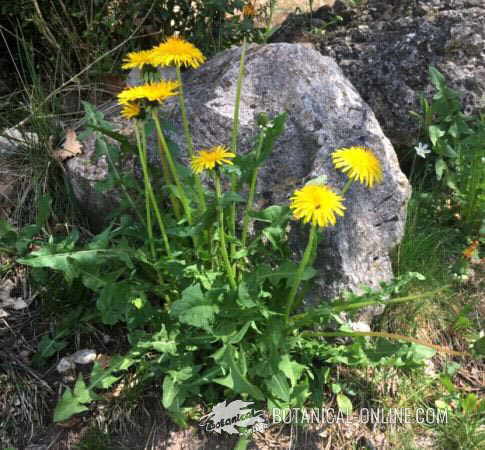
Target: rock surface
(385,47)
(325,112)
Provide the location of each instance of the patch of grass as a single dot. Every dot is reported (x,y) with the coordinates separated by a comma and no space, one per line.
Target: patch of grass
(428,246)
(26,158)
(94,439)
(463,431)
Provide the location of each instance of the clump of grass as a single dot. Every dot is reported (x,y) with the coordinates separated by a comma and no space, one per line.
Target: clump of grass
(94,439)
(428,246)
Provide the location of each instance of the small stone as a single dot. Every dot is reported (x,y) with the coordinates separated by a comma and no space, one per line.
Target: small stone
(84,356)
(65,364)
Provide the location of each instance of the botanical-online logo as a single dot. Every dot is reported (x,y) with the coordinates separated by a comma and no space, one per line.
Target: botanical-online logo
(235,414)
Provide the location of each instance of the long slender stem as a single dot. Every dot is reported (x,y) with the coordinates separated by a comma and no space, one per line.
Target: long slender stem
(173,169)
(252,191)
(384,334)
(222,237)
(347,186)
(168,180)
(149,223)
(153,199)
(188,137)
(306,317)
(234,136)
(301,268)
(146,181)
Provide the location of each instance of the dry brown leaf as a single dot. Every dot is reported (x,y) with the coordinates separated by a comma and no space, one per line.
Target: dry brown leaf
(103,360)
(70,148)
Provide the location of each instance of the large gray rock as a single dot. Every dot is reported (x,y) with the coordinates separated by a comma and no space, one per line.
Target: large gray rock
(385,47)
(325,112)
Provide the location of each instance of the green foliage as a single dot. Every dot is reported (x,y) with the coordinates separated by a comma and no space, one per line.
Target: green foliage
(80,32)
(94,439)
(206,314)
(457,143)
(464,428)
(73,402)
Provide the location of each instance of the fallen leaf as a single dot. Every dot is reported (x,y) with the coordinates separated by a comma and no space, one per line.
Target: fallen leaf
(103,360)
(70,148)
(470,250)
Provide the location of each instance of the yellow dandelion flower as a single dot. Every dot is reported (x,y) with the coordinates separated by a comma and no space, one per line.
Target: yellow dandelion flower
(157,91)
(130,110)
(130,94)
(317,204)
(178,52)
(359,163)
(161,90)
(207,159)
(138,59)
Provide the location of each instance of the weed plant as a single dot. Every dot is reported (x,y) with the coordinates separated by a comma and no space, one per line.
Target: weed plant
(458,152)
(210,312)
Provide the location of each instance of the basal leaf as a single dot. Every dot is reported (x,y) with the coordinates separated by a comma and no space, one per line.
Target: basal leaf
(113,302)
(163,343)
(82,393)
(291,369)
(194,308)
(170,390)
(67,406)
(278,386)
(235,380)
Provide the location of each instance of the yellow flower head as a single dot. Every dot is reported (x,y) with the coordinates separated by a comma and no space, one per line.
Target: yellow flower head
(130,110)
(317,204)
(158,91)
(176,51)
(207,159)
(137,59)
(359,163)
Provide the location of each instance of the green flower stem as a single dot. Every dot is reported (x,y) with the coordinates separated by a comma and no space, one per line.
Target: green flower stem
(309,316)
(188,137)
(141,141)
(147,196)
(252,191)
(168,180)
(382,334)
(234,135)
(301,268)
(173,169)
(347,186)
(222,237)
(149,223)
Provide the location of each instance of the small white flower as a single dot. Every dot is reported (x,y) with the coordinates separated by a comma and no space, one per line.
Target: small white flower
(422,150)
